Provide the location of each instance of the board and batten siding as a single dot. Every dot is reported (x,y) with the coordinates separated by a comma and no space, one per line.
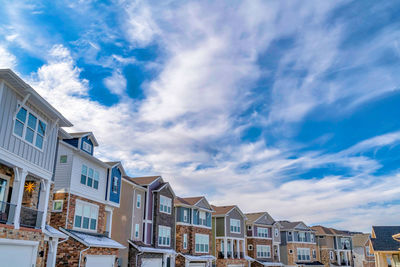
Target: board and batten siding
(62,178)
(84,190)
(8,141)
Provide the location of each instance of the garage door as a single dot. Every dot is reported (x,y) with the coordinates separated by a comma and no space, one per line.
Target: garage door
(100,261)
(197,265)
(151,262)
(14,253)
(236,265)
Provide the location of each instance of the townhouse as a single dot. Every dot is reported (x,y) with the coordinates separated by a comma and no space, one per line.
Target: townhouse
(263,239)
(28,143)
(361,251)
(298,245)
(156,246)
(335,246)
(85,193)
(228,229)
(193,232)
(385,245)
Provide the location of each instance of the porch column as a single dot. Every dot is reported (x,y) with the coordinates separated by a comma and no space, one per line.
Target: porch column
(346,260)
(164,263)
(18,192)
(172,260)
(225,248)
(238,248)
(52,254)
(44,200)
(232,248)
(338,258)
(244,248)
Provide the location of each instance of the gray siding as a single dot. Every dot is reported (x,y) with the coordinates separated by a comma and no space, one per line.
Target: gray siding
(234,214)
(44,159)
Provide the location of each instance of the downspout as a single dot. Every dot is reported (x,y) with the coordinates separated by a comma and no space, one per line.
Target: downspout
(80,255)
(137,255)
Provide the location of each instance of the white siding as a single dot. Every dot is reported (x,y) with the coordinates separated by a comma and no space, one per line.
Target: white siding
(43,159)
(63,170)
(83,190)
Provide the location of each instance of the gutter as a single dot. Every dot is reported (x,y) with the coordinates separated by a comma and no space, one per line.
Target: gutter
(80,255)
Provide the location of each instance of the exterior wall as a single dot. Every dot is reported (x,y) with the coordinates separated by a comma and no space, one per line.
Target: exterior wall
(134,255)
(8,141)
(83,190)
(258,241)
(191,232)
(164,219)
(234,214)
(292,258)
(59,219)
(220,226)
(68,253)
(62,177)
(276,239)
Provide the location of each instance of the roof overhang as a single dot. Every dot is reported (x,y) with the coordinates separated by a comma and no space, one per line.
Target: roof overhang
(152,250)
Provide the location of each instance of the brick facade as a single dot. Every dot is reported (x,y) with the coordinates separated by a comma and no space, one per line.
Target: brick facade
(58,219)
(258,241)
(161,218)
(68,253)
(135,255)
(292,258)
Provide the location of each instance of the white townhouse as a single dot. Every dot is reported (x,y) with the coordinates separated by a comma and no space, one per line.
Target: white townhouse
(29,129)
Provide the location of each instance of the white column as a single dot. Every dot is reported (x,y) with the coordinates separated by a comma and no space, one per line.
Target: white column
(225,248)
(238,248)
(345,258)
(338,258)
(186,263)
(18,191)
(172,261)
(164,264)
(44,200)
(232,248)
(244,248)
(52,254)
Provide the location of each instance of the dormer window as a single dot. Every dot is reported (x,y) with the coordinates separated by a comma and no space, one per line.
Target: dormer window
(29,127)
(87,147)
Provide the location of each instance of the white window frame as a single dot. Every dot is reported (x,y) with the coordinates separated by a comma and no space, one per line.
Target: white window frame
(331,255)
(303,237)
(235,226)
(25,126)
(87,147)
(58,201)
(202,218)
(202,243)
(92,207)
(164,232)
(95,177)
(263,251)
(165,204)
(114,185)
(303,252)
(184,241)
(66,159)
(263,233)
(138,201)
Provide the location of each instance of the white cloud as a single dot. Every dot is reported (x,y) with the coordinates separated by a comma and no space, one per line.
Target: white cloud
(116,83)
(7,60)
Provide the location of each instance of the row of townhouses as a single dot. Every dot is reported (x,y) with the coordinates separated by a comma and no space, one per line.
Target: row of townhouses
(62,206)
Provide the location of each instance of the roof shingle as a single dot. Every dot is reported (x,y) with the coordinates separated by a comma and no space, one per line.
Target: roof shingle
(384,238)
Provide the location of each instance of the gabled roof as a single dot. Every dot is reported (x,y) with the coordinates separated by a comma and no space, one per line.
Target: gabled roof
(322,230)
(224,210)
(84,134)
(113,164)
(191,201)
(146,180)
(256,216)
(359,240)
(286,225)
(383,240)
(162,186)
(24,89)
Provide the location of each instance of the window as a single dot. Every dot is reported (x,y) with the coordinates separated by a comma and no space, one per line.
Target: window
(276,232)
(89,177)
(136,230)
(63,159)
(164,236)
(262,232)
(87,147)
(312,238)
(201,242)
(235,226)
(165,204)
(202,218)
(29,127)
(86,216)
(290,251)
(249,227)
(185,215)
(302,237)
(263,251)
(184,241)
(115,185)
(250,247)
(314,254)
(303,254)
(368,252)
(58,205)
(331,255)
(138,201)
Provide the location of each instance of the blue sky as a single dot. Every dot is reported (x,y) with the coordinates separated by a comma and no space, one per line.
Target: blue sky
(286,106)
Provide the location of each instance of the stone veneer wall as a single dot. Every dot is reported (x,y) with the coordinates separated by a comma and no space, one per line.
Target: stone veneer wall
(133,252)
(58,219)
(292,258)
(68,253)
(258,241)
(191,232)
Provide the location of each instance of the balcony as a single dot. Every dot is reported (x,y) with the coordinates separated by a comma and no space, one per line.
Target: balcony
(7,211)
(31,218)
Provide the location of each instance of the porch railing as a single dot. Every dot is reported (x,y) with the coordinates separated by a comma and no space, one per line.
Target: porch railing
(30,218)
(7,211)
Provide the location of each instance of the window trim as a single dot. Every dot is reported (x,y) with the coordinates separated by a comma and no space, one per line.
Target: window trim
(167,238)
(260,253)
(233,227)
(263,230)
(62,205)
(113,186)
(89,145)
(39,118)
(184,243)
(137,230)
(162,205)
(138,201)
(205,244)
(83,203)
(306,254)
(93,177)
(66,159)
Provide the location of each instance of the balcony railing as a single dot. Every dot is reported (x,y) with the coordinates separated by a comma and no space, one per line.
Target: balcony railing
(7,211)
(220,255)
(30,218)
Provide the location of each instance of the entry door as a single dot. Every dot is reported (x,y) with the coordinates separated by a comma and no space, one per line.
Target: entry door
(100,261)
